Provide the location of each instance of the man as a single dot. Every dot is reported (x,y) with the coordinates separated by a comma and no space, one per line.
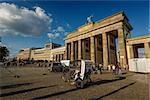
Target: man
(117,69)
(100,68)
(113,68)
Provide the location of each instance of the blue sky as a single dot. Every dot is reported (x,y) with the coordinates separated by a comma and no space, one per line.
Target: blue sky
(66,16)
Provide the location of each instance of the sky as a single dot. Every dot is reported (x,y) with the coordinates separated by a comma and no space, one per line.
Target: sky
(32,23)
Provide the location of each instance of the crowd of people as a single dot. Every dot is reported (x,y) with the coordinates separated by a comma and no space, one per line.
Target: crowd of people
(115,68)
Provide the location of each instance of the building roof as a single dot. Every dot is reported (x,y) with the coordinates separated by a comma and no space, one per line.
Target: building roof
(52,43)
(88,27)
(140,39)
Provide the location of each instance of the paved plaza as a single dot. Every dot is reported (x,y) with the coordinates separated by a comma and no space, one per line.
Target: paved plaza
(39,83)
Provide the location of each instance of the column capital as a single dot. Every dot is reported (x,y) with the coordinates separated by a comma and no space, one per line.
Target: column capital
(120,30)
(104,32)
(121,27)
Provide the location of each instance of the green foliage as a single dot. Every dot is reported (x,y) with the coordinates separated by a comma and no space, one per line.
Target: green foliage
(4,52)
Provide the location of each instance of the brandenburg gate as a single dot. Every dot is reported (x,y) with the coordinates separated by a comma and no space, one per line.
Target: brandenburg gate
(96,41)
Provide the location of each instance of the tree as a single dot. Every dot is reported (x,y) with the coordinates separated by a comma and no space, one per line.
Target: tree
(4,52)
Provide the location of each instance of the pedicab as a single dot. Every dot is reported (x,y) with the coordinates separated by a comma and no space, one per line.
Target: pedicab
(77,72)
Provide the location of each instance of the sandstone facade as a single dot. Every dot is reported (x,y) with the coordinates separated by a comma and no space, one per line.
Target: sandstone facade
(51,52)
(134,44)
(96,41)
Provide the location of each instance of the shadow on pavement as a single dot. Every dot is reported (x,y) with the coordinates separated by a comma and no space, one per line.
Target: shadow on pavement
(71,90)
(99,98)
(105,81)
(54,94)
(14,85)
(23,91)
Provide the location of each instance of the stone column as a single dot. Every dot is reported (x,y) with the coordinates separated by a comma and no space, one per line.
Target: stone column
(122,47)
(92,47)
(83,49)
(131,52)
(96,51)
(105,50)
(79,50)
(59,57)
(72,51)
(147,50)
(108,46)
(66,50)
(128,52)
(55,58)
(76,50)
(52,57)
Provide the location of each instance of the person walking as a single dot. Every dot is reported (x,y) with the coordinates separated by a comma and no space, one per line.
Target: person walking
(113,69)
(117,69)
(100,68)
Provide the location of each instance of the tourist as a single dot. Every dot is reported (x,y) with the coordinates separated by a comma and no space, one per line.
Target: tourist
(117,69)
(113,69)
(100,68)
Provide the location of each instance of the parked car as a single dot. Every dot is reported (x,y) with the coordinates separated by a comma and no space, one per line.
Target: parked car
(1,63)
(56,67)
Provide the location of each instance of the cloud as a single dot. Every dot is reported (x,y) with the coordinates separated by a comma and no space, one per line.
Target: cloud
(20,20)
(149,30)
(55,33)
(60,29)
(68,25)
(50,35)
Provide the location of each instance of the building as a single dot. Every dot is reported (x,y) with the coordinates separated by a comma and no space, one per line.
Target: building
(138,50)
(51,52)
(52,46)
(40,54)
(96,41)
(133,44)
(24,54)
(57,54)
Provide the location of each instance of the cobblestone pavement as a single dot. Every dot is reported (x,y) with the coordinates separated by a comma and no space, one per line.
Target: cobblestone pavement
(39,83)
